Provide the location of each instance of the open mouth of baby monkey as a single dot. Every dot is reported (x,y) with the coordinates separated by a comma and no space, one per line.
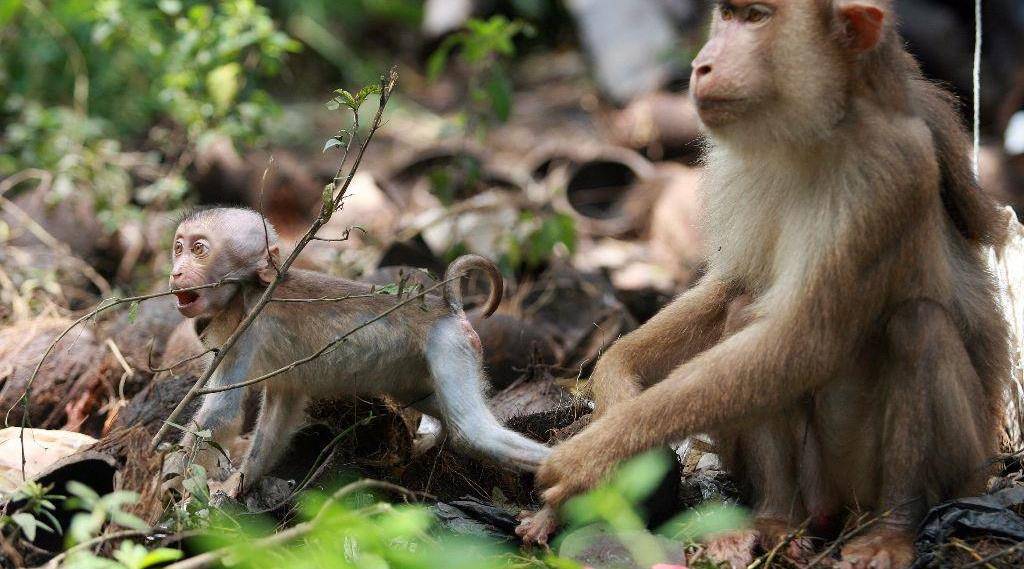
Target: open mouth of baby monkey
(186,297)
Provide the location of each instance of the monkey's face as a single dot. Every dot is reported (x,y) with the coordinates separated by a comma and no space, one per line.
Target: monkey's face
(199,260)
(730,77)
(778,70)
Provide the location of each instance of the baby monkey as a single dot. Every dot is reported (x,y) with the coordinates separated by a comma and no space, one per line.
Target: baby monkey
(424,354)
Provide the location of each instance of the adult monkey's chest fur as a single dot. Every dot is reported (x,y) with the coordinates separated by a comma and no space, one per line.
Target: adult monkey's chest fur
(763,228)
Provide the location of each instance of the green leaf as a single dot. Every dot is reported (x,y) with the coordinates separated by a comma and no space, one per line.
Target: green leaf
(85,526)
(439,59)
(365,92)
(346,98)
(170,7)
(158,556)
(332,142)
(499,88)
(130,554)
(130,521)
(28,524)
(133,312)
(87,494)
(638,477)
(219,449)
(8,10)
(706,519)
(223,84)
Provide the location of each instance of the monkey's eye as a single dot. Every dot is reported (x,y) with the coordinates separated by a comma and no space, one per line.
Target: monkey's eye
(757,13)
(727,13)
(199,248)
(178,248)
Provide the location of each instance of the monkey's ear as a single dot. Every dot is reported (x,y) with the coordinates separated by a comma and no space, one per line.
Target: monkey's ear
(267,269)
(863,23)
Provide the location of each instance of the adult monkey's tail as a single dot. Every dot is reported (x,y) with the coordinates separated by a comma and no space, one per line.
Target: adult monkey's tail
(460,267)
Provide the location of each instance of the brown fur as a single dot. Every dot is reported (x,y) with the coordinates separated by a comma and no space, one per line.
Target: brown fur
(846,347)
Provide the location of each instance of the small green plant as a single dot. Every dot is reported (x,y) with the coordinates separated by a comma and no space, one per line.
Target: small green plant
(99,513)
(536,238)
(35,512)
(483,48)
(193,509)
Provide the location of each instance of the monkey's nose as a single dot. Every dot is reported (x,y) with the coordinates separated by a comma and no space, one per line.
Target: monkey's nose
(702,70)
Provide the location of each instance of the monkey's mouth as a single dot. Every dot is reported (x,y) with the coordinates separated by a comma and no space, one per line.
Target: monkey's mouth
(186,298)
(716,103)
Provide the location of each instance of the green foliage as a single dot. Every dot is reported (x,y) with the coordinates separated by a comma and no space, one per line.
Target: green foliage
(351,103)
(358,531)
(130,62)
(537,238)
(483,48)
(83,160)
(128,555)
(99,511)
(35,513)
(220,52)
(80,75)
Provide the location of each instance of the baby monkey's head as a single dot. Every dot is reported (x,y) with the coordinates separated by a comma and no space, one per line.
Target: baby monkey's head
(217,244)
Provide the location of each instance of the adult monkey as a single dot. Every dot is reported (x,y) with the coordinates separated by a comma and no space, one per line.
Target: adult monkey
(845,347)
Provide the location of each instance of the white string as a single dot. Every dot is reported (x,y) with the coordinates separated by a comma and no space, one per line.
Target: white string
(977,83)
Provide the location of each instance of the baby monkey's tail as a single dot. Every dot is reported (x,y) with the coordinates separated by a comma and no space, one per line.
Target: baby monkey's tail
(459,267)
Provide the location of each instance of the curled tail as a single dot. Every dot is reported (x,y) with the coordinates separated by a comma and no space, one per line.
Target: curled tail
(458,268)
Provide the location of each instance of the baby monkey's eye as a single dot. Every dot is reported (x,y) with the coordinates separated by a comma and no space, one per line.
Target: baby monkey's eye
(727,13)
(178,248)
(199,248)
(758,13)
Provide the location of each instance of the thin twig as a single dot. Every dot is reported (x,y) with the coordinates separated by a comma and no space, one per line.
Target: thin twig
(327,348)
(55,562)
(766,560)
(185,360)
(844,537)
(984,560)
(326,298)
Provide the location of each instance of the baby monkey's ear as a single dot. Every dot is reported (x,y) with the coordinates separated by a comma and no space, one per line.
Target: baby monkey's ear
(267,269)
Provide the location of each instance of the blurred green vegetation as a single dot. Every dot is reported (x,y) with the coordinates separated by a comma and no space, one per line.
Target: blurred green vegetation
(354,528)
(128,65)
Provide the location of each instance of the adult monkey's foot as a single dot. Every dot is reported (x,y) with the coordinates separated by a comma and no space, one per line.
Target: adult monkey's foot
(885,548)
(740,548)
(537,527)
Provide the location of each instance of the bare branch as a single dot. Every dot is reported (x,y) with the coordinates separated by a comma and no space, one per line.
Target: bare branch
(326,298)
(151,369)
